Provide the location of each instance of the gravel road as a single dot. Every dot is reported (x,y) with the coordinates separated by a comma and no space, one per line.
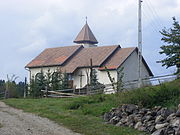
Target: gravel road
(17,122)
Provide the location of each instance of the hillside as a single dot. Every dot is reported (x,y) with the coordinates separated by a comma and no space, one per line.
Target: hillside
(84,114)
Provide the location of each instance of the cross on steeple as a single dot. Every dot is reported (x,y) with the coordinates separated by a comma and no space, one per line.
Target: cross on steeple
(86,19)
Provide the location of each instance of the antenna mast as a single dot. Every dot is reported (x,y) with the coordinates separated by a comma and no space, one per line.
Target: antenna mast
(139,44)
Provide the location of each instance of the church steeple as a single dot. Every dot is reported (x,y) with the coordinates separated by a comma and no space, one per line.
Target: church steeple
(85,36)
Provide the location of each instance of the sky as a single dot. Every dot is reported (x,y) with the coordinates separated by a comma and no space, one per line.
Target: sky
(27,27)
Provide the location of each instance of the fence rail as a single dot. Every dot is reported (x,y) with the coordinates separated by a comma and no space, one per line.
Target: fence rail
(2,95)
(109,88)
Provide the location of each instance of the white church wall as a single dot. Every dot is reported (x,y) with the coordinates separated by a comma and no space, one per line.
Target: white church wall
(103,76)
(34,71)
(77,79)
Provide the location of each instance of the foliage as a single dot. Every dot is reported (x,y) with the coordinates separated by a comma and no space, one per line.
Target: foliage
(119,79)
(34,90)
(2,85)
(56,79)
(154,95)
(64,82)
(119,84)
(48,81)
(172,49)
(94,80)
(11,88)
(112,80)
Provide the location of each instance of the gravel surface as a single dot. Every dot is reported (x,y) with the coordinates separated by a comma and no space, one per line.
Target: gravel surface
(17,122)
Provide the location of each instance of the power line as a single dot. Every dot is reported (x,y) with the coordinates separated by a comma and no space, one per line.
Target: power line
(153,14)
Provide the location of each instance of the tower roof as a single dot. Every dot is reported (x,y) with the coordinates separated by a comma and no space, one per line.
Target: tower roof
(86,36)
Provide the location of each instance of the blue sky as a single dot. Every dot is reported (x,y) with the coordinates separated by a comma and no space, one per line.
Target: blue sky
(27,27)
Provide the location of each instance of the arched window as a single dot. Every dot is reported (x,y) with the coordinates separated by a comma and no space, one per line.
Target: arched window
(39,76)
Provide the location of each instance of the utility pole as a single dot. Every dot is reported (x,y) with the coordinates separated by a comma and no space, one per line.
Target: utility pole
(139,44)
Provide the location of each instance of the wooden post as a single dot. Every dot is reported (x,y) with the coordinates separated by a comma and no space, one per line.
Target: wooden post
(46,88)
(25,87)
(91,74)
(81,75)
(7,90)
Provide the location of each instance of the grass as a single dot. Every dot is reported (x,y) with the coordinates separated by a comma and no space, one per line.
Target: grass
(84,114)
(77,119)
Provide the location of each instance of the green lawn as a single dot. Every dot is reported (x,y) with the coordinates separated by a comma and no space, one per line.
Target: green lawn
(84,114)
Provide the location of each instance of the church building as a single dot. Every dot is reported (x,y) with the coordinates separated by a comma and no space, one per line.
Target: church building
(76,61)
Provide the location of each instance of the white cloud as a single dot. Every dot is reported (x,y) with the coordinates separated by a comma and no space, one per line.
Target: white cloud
(48,23)
(35,46)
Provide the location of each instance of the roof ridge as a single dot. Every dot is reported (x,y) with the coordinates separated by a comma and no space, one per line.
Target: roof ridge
(63,47)
(110,55)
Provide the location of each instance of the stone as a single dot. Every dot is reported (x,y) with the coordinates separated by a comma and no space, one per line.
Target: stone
(114,120)
(124,114)
(137,125)
(158,132)
(178,113)
(107,116)
(164,112)
(156,121)
(157,108)
(142,128)
(150,123)
(170,117)
(175,122)
(159,118)
(119,124)
(143,111)
(151,129)
(179,106)
(148,117)
(177,132)
(159,126)
(130,108)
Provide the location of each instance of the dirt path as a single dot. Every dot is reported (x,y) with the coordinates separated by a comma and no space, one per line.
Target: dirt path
(17,122)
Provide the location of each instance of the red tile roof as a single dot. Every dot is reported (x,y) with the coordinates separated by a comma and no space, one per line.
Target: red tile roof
(54,56)
(70,58)
(82,59)
(118,58)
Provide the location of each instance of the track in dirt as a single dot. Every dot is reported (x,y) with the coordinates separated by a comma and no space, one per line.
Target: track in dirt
(17,122)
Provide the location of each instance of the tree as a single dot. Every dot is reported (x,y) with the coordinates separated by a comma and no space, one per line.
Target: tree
(120,79)
(172,49)
(94,80)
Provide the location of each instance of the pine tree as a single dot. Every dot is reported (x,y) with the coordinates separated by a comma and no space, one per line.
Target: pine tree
(65,81)
(172,49)
(55,81)
(94,79)
(41,83)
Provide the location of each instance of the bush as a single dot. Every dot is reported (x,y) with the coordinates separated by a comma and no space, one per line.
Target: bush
(151,96)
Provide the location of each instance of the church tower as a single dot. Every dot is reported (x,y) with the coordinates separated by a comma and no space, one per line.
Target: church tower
(86,37)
